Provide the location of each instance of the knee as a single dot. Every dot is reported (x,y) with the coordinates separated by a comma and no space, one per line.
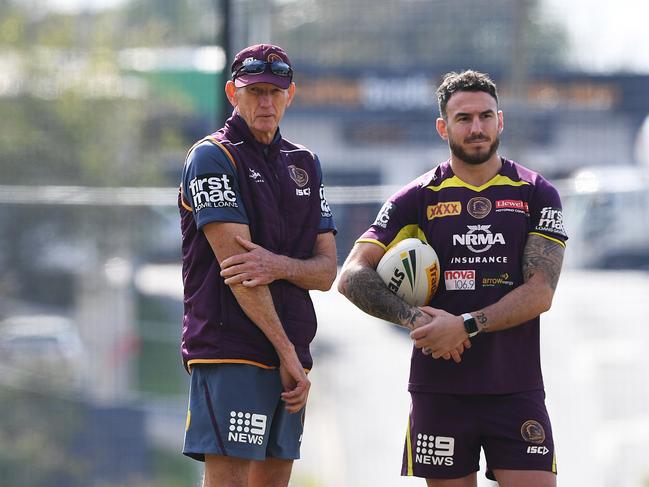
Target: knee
(226,471)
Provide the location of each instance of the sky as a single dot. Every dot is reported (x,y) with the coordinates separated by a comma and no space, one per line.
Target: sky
(604,35)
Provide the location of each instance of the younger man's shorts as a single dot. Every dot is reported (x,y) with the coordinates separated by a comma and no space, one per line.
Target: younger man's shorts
(236,410)
(446,431)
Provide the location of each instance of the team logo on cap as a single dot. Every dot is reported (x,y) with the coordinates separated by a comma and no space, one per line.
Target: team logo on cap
(272,57)
(299,175)
(533,432)
(478,207)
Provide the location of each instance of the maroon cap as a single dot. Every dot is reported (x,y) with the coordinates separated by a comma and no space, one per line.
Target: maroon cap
(265,53)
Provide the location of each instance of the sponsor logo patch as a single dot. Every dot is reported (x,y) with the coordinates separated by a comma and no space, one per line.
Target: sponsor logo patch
(383,218)
(492,259)
(255,176)
(551,221)
(478,207)
(246,427)
(298,175)
(515,206)
(461,280)
(533,432)
(325,211)
(538,450)
(496,280)
(434,450)
(479,238)
(448,208)
(213,191)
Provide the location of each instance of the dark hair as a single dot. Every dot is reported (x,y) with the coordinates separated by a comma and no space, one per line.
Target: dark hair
(468,80)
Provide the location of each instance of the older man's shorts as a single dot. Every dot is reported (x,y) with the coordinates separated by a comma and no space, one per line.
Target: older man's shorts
(445,434)
(236,410)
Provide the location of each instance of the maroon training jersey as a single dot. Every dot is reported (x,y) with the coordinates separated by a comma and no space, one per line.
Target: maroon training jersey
(277,191)
(479,234)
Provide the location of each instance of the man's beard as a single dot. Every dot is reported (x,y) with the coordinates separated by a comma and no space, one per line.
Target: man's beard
(460,153)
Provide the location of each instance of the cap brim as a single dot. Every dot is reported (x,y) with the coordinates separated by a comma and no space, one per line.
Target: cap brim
(282,82)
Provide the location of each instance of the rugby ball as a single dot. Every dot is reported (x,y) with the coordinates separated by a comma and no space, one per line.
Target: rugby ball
(410,269)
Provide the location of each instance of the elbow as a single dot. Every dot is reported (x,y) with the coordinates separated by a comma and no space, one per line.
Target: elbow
(343,282)
(328,281)
(547,304)
(545,300)
(326,278)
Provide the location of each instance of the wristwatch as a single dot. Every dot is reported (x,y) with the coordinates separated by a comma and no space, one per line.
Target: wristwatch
(470,325)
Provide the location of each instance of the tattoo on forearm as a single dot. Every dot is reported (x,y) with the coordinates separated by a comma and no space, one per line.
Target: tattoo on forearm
(481,318)
(545,255)
(367,291)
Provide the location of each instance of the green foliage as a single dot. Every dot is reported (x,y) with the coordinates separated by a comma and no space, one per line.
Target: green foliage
(35,434)
(71,115)
(173,470)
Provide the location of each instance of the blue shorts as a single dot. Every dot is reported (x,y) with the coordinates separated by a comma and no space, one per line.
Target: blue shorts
(446,432)
(235,410)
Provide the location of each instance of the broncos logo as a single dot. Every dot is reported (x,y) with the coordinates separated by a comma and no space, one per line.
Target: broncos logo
(533,432)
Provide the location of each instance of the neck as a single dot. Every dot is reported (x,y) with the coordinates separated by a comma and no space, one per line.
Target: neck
(476,174)
(263,137)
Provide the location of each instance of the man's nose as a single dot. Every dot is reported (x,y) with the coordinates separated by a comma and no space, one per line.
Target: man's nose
(476,126)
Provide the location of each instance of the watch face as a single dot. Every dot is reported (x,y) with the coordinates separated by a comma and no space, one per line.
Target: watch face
(470,326)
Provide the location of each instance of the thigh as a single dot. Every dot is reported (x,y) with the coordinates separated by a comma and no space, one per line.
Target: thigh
(468,481)
(528,478)
(442,441)
(231,407)
(518,434)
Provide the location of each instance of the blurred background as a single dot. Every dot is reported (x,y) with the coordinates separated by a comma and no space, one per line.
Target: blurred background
(99,102)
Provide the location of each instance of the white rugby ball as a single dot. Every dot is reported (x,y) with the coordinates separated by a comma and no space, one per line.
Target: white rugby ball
(410,269)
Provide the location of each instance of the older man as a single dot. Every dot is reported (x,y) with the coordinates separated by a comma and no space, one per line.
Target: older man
(257,236)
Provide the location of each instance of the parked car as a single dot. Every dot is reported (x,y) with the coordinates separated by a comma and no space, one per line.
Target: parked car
(606,215)
(44,349)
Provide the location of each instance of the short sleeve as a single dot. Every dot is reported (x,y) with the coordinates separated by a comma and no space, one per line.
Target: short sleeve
(546,212)
(211,187)
(326,216)
(397,219)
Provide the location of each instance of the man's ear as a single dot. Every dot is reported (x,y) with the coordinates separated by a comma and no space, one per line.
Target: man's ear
(291,93)
(442,128)
(230,92)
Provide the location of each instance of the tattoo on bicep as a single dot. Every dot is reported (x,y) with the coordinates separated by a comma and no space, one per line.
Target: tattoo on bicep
(367,291)
(542,254)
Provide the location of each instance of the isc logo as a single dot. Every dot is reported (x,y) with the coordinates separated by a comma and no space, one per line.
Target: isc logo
(303,192)
(538,450)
